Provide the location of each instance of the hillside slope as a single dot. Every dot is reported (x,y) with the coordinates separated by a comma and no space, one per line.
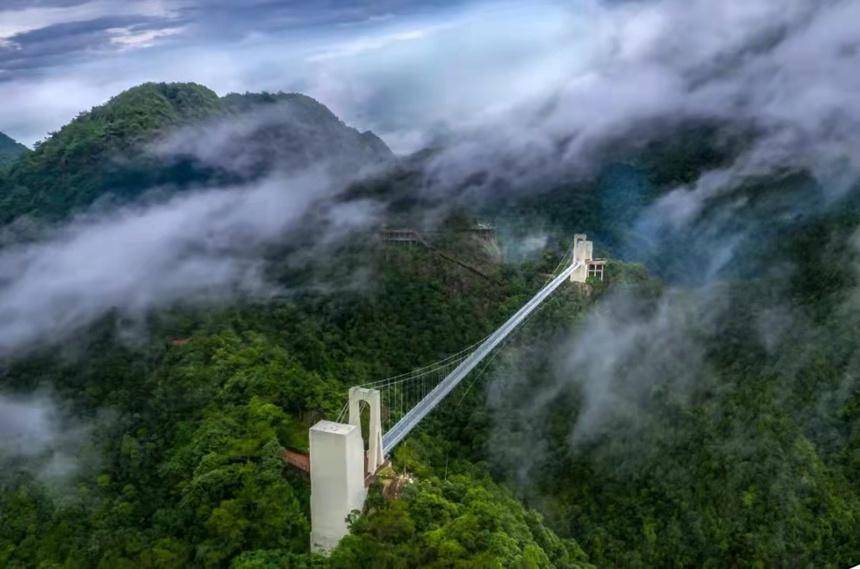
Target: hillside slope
(176,136)
(10,150)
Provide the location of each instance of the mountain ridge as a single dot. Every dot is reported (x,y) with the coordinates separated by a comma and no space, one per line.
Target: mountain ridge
(104,152)
(10,150)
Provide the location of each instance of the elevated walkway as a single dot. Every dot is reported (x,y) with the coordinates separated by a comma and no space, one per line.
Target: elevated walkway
(339,464)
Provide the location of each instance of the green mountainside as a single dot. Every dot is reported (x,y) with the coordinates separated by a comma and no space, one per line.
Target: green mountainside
(10,150)
(110,153)
(89,158)
(755,462)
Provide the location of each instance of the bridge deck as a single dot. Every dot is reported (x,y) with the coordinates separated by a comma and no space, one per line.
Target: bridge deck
(408,422)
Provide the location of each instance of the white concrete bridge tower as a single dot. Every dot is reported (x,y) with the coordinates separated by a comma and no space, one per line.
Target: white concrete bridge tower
(340,468)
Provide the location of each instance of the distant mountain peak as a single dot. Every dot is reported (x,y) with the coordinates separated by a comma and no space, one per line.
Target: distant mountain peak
(10,150)
(176,135)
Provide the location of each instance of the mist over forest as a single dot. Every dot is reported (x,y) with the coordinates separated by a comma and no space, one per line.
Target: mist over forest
(196,265)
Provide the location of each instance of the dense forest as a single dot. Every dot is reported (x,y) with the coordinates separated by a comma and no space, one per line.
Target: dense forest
(680,413)
(10,150)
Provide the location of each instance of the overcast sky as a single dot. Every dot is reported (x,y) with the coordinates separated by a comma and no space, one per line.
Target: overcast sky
(396,66)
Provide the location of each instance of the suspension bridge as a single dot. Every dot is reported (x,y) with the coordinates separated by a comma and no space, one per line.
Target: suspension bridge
(340,466)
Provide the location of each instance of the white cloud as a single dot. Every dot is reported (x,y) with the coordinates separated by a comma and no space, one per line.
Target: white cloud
(127,38)
(202,246)
(369,44)
(787,70)
(17,21)
(34,428)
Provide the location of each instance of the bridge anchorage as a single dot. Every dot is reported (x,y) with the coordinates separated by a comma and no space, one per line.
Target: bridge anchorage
(341,469)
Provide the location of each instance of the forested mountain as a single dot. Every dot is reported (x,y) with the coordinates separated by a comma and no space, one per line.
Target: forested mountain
(686,412)
(177,136)
(10,150)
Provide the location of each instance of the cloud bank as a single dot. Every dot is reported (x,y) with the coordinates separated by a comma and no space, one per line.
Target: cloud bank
(204,246)
(785,72)
(37,438)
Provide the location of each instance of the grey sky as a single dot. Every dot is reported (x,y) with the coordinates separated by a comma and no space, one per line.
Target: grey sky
(60,57)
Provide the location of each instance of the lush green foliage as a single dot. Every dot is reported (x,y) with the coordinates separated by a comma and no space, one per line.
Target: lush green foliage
(10,150)
(95,155)
(108,154)
(463,521)
(753,464)
(190,470)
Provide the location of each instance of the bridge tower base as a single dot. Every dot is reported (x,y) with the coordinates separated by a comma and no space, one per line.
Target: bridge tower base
(337,481)
(339,468)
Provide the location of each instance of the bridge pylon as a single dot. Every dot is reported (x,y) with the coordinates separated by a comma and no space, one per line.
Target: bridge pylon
(340,467)
(584,261)
(583,249)
(374,436)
